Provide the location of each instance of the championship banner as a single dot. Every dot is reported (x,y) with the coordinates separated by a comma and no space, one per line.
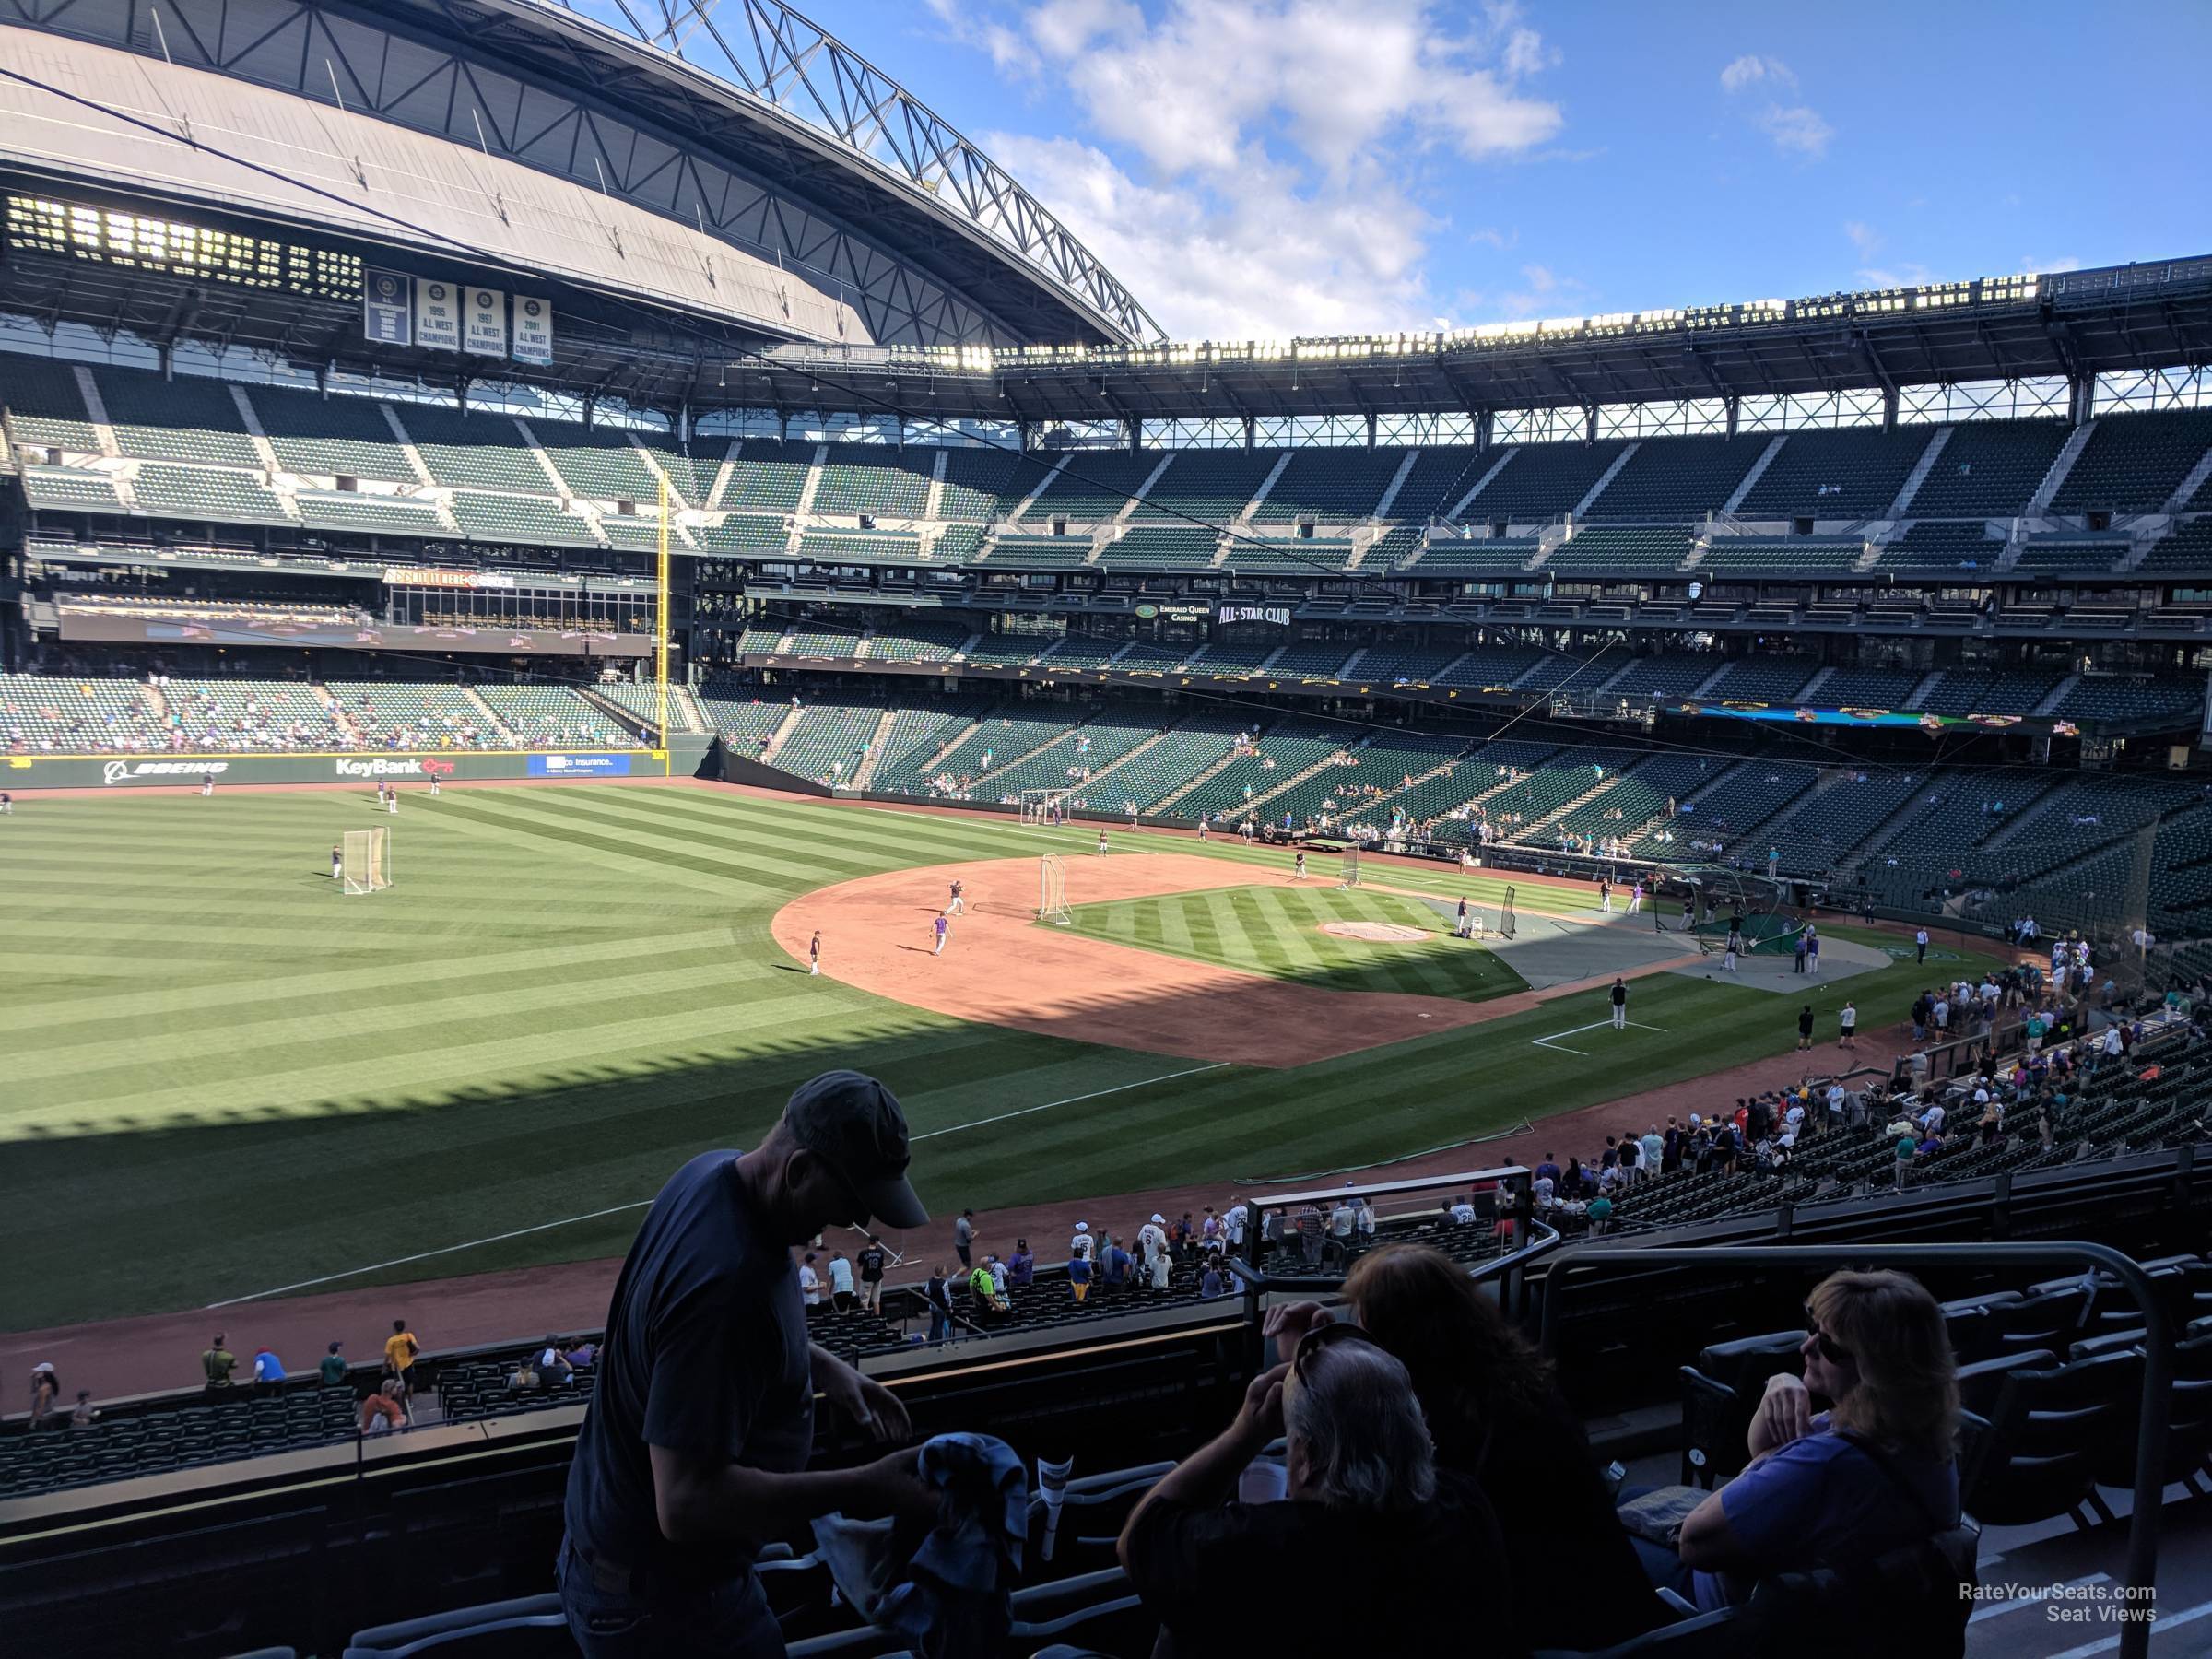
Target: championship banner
(437,314)
(384,312)
(484,322)
(533,330)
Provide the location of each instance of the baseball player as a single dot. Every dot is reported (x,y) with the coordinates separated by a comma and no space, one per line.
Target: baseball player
(1101,842)
(958,907)
(1621,1004)
(1636,897)
(1604,895)
(943,929)
(434,786)
(1298,870)
(814,954)
(1465,926)
(8,804)
(338,864)
(206,783)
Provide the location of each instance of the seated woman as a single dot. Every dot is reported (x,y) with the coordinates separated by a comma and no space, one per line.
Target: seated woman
(1873,1473)
(1498,1420)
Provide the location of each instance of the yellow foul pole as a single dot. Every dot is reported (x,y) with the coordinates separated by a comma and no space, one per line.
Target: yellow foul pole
(660,635)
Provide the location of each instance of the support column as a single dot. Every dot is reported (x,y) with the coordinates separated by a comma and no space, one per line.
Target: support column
(1589,424)
(1136,435)
(1252,439)
(2081,398)
(1735,404)
(1371,428)
(1889,408)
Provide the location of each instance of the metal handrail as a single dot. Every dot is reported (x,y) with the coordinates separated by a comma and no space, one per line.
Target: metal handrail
(2157,1365)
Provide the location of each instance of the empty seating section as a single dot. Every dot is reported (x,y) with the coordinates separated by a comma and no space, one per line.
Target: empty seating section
(1742,799)
(1346,794)
(1990,467)
(597,463)
(1954,813)
(168,1435)
(855,546)
(1278,754)
(2083,812)
(330,436)
(62,714)
(916,734)
(743,532)
(2073,554)
(1322,659)
(44,406)
(513,519)
(957,544)
(1387,665)
(1541,789)
(397,515)
(1229,658)
(1866,687)
(639,532)
(1295,556)
(1672,674)
(1393,549)
(555,717)
(251,715)
(1541,481)
(1211,486)
(1041,552)
(1749,558)
(737,711)
(1094,485)
(767,475)
(1492,665)
(1001,738)
(1764,680)
(1201,741)
(1331,486)
(1639,794)
(2117,698)
(2187,549)
(1678,477)
(1095,744)
(691,476)
(1437,480)
(484,450)
(875,479)
(1971,691)
(1472,555)
(70,488)
(2132,463)
(201,492)
(1085,651)
(1646,548)
(1162,547)
(398,716)
(1930,546)
(986,484)
(827,740)
(1822,831)
(1452,781)
(156,419)
(919,641)
(1843,474)
(762,639)
(825,643)
(1011,650)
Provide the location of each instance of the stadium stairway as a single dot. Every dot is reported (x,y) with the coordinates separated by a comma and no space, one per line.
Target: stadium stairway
(2079,440)
(1295,779)
(777,738)
(1580,801)
(864,774)
(493,722)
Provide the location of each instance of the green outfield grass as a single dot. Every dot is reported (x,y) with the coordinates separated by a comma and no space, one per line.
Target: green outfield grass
(218,1076)
(1277,932)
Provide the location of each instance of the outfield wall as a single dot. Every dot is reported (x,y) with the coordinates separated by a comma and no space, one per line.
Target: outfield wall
(23,772)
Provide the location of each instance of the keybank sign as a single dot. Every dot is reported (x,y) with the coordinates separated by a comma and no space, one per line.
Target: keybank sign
(394,769)
(130,772)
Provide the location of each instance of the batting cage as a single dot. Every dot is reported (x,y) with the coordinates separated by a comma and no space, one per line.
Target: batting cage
(1710,901)
(1051,891)
(1351,867)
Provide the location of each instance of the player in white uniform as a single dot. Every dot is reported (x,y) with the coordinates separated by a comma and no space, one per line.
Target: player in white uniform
(958,907)
(1298,872)
(338,863)
(1101,844)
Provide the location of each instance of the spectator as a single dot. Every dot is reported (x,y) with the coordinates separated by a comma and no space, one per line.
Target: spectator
(696,1442)
(938,1298)
(1117,1263)
(1021,1268)
(810,1283)
(332,1365)
(1498,1418)
(1209,1281)
(553,1364)
(400,1349)
(872,1262)
(840,1281)
(1876,1472)
(1417,1548)
(268,1370)
(384,1407)
(85,1414)
(46,1392)
(217,1362)
(1078,1277)
(963,1237)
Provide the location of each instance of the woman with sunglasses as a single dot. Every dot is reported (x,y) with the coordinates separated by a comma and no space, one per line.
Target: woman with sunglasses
(1873,1473)
(1375,1548)
(1498,1420)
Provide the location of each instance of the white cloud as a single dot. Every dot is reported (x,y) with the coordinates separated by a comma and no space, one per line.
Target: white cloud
(1252,167)
(1752,70)
(2031,267)
(1863,237)
(1796,127)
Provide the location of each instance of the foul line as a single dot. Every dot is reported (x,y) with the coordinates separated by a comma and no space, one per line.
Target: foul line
(616,1209)
(1550,1042)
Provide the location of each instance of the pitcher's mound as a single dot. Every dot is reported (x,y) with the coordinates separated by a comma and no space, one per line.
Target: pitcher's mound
(1375,933)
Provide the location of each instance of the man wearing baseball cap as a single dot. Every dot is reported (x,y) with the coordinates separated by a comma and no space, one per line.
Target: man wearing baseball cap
(694,1449)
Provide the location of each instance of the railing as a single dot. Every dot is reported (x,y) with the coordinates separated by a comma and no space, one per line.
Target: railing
(2142,1572)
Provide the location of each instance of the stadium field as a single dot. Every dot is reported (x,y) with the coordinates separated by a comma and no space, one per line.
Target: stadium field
(222,1078)
(1278,932)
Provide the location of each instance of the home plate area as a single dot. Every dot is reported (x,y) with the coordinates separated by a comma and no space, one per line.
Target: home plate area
(1375,933)
(1554,1041)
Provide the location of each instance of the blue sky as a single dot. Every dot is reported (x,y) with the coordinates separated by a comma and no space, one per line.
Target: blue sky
(1261,168)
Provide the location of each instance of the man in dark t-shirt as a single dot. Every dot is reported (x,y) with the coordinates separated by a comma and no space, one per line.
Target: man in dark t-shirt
(871,1276)
(694,1449)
